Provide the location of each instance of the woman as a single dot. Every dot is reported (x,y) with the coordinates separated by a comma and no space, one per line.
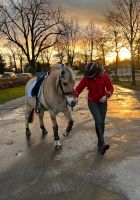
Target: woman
(100,88)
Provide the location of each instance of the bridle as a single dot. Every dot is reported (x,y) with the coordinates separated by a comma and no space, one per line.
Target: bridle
(61,87)
(60,82)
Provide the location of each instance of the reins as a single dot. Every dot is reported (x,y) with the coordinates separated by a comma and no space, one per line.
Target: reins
(62,90)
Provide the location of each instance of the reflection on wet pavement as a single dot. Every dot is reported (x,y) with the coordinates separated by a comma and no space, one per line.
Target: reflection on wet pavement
(33,170)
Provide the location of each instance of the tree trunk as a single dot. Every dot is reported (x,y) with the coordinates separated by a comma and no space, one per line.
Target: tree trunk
(21,67)
(116,67)
(132,66)
(91,52)
(61,59)
(70,60)
(15,65)
(33,67)
(103,54)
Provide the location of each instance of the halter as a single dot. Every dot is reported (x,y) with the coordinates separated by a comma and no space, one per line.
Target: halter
(60,83)
(61,87)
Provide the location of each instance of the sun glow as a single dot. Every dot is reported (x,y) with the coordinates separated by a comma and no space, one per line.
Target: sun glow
(123,54)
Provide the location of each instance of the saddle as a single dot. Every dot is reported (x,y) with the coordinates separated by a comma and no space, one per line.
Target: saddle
(40,77)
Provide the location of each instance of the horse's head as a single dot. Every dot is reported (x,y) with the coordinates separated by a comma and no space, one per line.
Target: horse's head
(65,83)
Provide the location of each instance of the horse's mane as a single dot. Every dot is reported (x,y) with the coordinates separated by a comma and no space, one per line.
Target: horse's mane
(58,66)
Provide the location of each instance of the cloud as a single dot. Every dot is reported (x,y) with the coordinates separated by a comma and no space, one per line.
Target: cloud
(85,10)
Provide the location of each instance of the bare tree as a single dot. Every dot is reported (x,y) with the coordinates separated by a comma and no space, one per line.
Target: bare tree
(102,46)
(127,16)
(70,39)
(48,54)
(60,49)
(137,52)
(116,40)
(91,33)
(21,58)
(12,49)
(84,47)
(29,24)
(2,64)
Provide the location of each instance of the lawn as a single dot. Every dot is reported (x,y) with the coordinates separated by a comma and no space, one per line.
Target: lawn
(128,84)
(11,93)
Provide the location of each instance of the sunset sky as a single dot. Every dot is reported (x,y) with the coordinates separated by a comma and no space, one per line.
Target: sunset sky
(85,10)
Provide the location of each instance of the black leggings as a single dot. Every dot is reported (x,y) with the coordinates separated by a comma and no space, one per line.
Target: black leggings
(98,111)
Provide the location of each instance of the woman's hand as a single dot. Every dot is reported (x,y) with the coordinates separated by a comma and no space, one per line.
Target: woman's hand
(103,99)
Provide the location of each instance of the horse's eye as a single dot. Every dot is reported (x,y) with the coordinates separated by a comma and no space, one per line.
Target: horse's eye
(65,84)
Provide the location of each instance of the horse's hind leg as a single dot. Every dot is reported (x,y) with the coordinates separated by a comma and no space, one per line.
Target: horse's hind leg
(70,123)
(57,144)
(41,115)
(28,119)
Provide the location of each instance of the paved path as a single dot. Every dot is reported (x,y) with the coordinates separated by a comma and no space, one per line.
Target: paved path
(34,171)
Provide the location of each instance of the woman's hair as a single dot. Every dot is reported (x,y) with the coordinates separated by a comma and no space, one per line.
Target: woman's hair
(91,70)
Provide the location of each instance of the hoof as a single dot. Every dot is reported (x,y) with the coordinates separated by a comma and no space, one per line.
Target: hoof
(57,145)
(65,133)
(44,132)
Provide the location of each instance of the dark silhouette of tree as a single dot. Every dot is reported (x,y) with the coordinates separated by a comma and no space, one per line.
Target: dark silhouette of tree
(13,51)
(46,56)
(71,38)
(29,24)
(127,15)
(2,64)
(102,45)
(90,36)
(116,39)
(60,49)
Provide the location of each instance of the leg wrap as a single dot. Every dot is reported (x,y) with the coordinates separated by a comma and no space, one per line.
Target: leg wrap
(55,130)
(69,127)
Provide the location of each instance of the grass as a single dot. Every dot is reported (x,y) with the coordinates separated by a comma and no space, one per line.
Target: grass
(11,93)
(128,84)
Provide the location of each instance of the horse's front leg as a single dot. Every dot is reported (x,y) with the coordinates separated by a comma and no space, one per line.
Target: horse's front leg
(44,131)
(57,144)
(70,122)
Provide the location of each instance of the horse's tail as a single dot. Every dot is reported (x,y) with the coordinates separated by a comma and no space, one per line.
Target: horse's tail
(31,117)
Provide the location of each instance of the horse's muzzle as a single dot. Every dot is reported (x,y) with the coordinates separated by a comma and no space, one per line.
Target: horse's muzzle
(73,103)
(70,101)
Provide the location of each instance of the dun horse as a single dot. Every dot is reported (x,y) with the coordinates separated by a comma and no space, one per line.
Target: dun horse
(55,95)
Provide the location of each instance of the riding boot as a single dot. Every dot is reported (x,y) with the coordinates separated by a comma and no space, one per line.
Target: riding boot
(102,147)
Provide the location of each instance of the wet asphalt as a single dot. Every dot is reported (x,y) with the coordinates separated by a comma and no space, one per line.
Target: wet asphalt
(33,170)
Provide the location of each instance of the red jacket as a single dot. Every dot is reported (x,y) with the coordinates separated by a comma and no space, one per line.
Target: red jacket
(98,87)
